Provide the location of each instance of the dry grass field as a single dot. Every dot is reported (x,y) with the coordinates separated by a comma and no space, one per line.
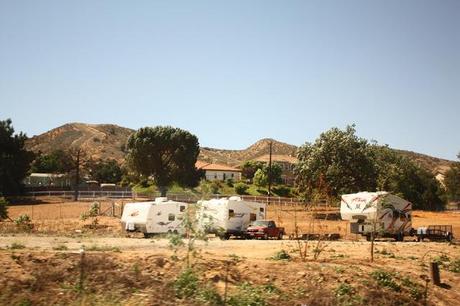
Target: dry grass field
(44,267)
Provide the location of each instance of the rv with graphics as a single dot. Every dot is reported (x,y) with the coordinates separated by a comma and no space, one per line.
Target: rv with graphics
(155,217)
(381,213)
(228,216)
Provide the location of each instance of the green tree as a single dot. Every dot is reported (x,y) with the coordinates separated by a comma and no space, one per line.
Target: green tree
(167,154)
(452,181)
(249,168)
(260,178)
(105,171)
(14,159)
(337,162)
(58,161)
(401,176)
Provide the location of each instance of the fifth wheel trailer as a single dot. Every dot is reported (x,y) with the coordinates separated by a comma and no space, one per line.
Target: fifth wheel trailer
(380,213)
(154,217)
(229,216)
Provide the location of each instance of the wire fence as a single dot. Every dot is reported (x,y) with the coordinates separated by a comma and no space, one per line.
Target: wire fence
(179,197)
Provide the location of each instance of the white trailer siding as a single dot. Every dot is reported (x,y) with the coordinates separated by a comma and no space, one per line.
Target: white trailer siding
(231,216)
(160,216)
(386,212)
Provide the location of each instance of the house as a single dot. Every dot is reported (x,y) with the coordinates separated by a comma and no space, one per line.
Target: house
(47,180)
(218,172)
(286,162)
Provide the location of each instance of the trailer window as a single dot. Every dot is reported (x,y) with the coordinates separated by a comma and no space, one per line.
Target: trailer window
(252,217)
(171,217)
(181,208)
(231,213)
(261,209)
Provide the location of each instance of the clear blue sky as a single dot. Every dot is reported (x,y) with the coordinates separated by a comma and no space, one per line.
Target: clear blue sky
(233,72)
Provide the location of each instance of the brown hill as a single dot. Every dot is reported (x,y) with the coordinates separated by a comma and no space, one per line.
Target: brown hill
(97,140)
(108,141)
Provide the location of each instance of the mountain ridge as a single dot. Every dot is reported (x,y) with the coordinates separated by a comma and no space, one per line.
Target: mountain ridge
(108,141)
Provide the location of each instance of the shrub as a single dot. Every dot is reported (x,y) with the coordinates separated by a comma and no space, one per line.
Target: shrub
(248,295)
(3,209)
(281,255)
(454,265)
(229,182)
(24,222)
(215,186)
(16,246)
(282,191)
(241,188)
(186,284)
(385,279)
(344,289)
(415,290)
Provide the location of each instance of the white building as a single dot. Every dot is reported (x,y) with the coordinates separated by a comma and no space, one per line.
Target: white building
(217,172)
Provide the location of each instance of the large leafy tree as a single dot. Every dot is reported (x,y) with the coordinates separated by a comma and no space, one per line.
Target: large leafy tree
(452,182)
(249,168)
(167,154)
(58,161)
(14,159)
(108,171)
(337,162)
(401,176)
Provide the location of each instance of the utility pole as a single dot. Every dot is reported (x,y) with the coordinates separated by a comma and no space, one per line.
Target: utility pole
(77,175)
(270,173)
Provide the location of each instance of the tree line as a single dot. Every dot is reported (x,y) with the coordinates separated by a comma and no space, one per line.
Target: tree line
(338,162)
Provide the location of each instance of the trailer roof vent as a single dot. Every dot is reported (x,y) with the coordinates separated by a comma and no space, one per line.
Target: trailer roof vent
(235,198)
(161,200)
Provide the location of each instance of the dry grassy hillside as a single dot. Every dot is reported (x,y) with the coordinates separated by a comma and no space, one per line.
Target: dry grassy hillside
(98,140)
(108,141)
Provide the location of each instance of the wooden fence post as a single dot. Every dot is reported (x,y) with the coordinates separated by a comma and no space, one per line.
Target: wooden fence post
(435,277)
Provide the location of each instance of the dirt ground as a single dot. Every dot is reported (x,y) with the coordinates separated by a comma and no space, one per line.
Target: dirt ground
(45,266)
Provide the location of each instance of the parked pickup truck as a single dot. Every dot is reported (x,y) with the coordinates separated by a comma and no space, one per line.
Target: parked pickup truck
(264,229)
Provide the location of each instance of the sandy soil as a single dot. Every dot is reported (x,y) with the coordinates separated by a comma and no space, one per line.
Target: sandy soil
(43,267)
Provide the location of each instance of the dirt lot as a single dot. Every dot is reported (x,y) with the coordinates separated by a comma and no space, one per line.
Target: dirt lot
(45,266)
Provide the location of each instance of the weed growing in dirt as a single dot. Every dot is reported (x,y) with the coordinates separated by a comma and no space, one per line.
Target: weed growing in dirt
(16,246)
(235,258)
(104,248)
(23,222)
(187,285)
(247,294)
(454,265)
(281,255)
(385,279)
(415,290)
(93,212)
(344,289)
(61,247)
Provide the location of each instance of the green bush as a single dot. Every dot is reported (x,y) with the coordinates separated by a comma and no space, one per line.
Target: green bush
(215,187)
(241,188)
(282,191)
(229,182)
(385,279)
(24,222)
(3,209)
(281,255)
(248,295)
(186,284)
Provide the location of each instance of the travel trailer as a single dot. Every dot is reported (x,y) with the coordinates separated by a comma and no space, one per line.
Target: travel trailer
(381,213)
(159,216)
(228,216)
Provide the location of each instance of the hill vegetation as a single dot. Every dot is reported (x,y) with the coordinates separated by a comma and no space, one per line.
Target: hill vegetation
(108,141)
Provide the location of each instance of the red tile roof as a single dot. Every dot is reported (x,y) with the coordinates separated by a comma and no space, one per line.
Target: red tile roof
(217,167)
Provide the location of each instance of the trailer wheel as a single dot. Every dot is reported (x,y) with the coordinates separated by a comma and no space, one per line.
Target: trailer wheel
(265,236)
(419,238)
(449,237)
(368,237)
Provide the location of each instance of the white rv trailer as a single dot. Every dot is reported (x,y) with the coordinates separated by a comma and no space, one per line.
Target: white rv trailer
(155,217)
(383,213)
(228,216)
